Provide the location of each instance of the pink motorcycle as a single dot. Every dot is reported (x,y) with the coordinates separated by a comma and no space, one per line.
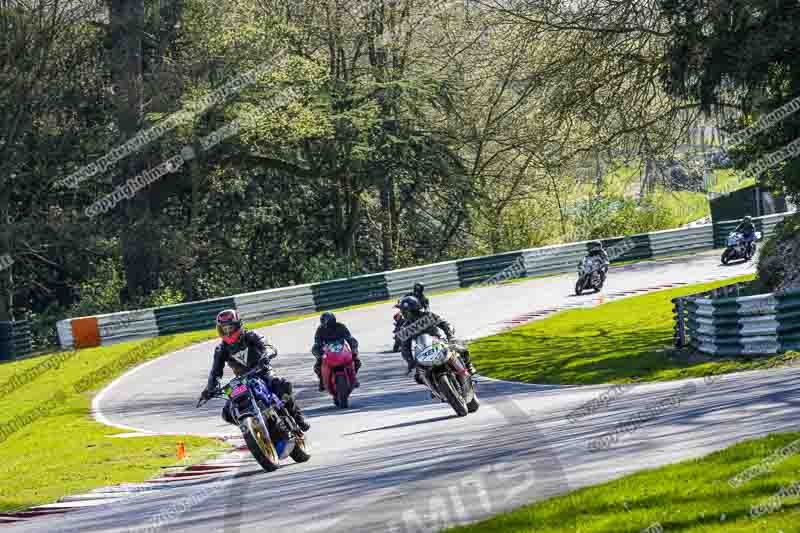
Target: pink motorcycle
(338,372)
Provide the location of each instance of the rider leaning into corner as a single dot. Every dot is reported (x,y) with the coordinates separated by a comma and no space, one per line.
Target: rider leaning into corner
(330,330)
(243,350)
(412,312)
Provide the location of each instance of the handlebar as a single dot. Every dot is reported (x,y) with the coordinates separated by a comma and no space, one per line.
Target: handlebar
(217,393)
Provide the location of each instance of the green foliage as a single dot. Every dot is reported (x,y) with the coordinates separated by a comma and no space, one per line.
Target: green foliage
(747,52)
(162,296)
(100,294)
(604,217)
(779,260)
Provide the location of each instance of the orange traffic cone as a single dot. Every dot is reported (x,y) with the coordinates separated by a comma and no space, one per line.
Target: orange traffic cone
(181,451)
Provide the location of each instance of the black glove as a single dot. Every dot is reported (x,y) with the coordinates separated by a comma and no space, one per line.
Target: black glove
(206,394)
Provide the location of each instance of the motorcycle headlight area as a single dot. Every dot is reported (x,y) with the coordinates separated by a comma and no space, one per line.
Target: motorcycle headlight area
(436,354)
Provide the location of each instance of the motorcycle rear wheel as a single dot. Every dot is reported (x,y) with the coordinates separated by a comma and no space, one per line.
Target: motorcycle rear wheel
(260,446)
(453,398)
(342,392)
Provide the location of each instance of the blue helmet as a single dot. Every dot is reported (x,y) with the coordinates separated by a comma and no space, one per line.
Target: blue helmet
(327,319)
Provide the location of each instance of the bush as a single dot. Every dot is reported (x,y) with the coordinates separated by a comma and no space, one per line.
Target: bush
(101,293)
(631,219)
(779,261)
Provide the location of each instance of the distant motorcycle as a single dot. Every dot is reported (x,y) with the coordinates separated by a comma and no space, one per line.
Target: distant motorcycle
(338,372)
(444,373)
(270,432)
(591,274)
(737,247)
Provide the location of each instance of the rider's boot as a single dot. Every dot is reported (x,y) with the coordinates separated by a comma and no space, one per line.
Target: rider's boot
(356,365)
(318,372)
(468,362)
(297,414)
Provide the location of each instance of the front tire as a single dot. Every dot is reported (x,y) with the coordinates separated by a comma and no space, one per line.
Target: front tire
(453,398)
(726,256)
(473,405)
(260,446)
(579,287)
(342,392)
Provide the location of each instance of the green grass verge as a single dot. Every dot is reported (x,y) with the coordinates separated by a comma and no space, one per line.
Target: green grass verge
(692,496)
(63,450)
(729,180)
(623,341)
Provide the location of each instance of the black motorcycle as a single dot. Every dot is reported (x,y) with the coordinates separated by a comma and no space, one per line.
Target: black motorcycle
(591,274)
(270,432)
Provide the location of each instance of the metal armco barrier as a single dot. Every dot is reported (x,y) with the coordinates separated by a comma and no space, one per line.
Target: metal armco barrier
(315,297)
(717,324)
(15,340)
(474,270)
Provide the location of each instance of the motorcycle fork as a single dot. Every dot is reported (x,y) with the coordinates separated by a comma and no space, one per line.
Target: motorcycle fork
(429,382)
(260,416)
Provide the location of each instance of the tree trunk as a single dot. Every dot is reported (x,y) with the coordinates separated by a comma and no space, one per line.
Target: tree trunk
(598,174)
(139,235)
(6,279)
(386,221)
(395,211)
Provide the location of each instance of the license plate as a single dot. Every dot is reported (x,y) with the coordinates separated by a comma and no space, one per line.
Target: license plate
(239,390)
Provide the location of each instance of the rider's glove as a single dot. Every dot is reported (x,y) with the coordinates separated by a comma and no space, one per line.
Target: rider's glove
(205,395)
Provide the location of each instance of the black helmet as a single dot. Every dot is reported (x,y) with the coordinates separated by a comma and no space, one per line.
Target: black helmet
(327,319)
(595,245)
(409,306)
(419,288)
(748,218)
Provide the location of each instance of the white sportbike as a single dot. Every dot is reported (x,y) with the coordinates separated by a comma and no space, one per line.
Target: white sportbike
(441,369)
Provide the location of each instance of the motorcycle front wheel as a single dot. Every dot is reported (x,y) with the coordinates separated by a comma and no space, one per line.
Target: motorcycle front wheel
(579,287)
(726,256)
(453,398)
(260,445)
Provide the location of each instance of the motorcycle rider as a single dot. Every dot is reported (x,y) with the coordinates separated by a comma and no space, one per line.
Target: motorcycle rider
(244,350)
(419,294)
(421,321)
(748,230)
(330,330)
(596,250)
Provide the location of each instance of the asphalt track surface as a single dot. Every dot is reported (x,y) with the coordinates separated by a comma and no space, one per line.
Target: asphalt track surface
(398,461)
